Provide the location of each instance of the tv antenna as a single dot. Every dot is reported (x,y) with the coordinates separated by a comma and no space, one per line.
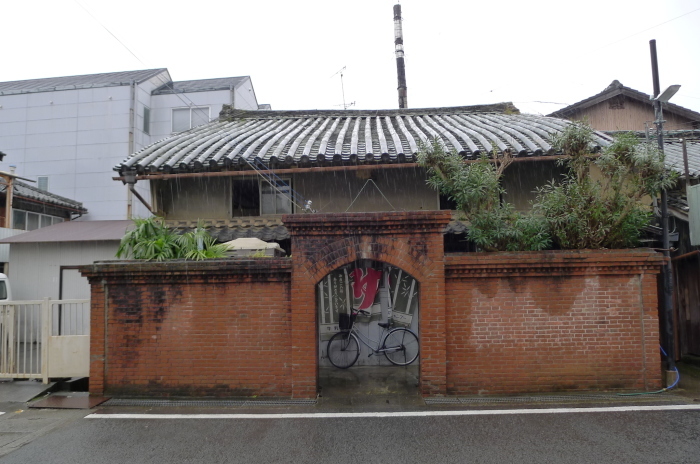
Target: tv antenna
(342,88)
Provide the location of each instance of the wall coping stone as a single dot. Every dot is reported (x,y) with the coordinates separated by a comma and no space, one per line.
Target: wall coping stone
(553,262)
(382,223)
(236,268)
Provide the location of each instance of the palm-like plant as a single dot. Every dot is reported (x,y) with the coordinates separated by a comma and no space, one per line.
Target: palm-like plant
(198,244)
(151,239)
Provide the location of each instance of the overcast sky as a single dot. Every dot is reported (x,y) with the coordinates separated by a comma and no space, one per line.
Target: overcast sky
(457,52)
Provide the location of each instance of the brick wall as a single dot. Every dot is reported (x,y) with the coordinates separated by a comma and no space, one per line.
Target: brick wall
(552,321)
(489,322)
(214,328)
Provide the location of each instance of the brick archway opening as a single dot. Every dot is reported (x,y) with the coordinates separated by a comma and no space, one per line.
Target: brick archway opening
(386,293)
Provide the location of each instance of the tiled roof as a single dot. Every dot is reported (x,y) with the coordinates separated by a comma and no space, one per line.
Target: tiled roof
(616,88)
(22,190)
(201,85)
(268,228)
(673,150)
(78,82)
(318,137)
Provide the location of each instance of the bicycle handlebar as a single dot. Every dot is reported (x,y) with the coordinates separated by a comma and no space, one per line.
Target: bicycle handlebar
(363,312)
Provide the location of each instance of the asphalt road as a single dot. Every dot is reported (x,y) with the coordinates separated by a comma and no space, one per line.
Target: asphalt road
(600,437)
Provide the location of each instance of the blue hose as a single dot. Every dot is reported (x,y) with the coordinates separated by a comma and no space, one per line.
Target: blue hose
(678,377)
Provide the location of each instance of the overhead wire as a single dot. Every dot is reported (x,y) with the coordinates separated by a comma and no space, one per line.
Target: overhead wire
(189,103)
(587,52)
(271,178)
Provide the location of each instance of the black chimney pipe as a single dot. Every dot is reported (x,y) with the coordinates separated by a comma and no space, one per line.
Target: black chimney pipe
(400,64)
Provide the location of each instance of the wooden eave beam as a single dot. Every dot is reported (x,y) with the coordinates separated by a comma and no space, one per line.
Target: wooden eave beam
(361,167)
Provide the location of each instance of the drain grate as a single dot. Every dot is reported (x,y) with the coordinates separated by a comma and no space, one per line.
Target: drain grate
(546,399)
(210,403)
(438,400)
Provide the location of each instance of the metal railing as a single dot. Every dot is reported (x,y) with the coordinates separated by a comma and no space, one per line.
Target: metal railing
(33,332)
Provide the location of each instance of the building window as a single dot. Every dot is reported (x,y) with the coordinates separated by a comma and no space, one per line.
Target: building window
(187,118)
(42,182)
(254,198)
(146,120)
(19,219)
(276,197)
(32,221)
(25,220)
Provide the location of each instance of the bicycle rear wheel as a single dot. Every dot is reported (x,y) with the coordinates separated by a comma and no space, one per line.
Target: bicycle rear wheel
(343,350)
(401,347)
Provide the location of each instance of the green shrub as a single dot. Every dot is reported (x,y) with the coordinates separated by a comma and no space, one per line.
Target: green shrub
(575,212)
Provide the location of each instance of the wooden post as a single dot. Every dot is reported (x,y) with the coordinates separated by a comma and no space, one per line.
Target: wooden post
(9,180)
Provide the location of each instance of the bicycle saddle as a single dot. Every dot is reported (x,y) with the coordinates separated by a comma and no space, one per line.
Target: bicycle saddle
(385,325)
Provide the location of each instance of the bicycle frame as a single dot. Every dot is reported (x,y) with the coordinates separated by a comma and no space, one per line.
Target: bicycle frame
(361,337)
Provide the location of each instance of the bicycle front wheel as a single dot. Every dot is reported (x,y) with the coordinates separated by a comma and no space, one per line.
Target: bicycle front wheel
(401,347)
(343,350)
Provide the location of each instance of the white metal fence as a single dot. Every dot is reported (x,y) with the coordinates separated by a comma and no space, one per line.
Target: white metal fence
(45,338)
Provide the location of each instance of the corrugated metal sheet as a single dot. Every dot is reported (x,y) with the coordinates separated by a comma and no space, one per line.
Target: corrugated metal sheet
(338,137)
(5,249)
(200,85)
(74,231)
(78,82)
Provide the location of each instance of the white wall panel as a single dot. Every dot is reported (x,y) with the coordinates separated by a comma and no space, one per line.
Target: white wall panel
(51,112)
(114,122)
(65,152)
(12,127)
(5,247)
(108,107)
(102,136)
(115,152)
(51,168)
(12,145)
(56,139)
(101,94)
(34,269)
(13,101)
(48,126)
(11,115)
(61,97)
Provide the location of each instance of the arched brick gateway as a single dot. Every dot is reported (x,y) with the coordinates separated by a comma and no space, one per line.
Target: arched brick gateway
(412,241)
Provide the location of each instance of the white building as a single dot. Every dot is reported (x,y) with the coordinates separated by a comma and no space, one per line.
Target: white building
(69,132)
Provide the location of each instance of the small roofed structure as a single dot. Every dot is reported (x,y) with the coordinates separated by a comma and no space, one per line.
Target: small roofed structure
(27,203)
(253,247)
(620,108)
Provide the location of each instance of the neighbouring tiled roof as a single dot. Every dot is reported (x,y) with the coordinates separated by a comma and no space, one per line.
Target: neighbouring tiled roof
(201,85)
(268,228)
(22,190)
(347,136)
(673,150)
(616,88)
(78,82)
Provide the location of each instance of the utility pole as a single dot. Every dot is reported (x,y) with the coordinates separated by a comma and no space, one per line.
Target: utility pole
(667,271)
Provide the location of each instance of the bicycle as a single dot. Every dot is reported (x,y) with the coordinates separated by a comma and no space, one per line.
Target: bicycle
(399,345)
